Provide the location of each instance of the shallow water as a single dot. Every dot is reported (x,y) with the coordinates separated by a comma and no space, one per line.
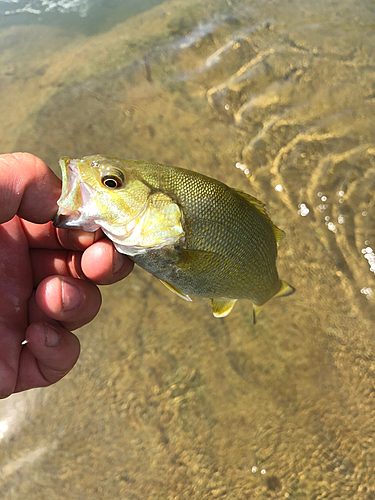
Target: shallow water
(85,16)
(166,401)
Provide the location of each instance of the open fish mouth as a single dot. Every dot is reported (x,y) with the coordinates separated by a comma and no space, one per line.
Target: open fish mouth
(70,176)
(75,195)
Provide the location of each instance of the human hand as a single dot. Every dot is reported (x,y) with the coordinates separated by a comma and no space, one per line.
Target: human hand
(47,277)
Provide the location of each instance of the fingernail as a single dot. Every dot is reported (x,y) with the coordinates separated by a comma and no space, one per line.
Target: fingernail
(71,296)
(53,337)
(118,262)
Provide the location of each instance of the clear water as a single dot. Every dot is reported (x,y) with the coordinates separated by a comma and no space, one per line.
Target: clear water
(167,402)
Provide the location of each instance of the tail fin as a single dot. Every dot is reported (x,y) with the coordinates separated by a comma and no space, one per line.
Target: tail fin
(284,291)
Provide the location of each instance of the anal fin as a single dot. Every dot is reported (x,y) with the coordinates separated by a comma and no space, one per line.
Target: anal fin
(176,290)
(222,307)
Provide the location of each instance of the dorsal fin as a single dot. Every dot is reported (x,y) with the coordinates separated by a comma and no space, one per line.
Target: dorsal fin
(279,233)
(261,207)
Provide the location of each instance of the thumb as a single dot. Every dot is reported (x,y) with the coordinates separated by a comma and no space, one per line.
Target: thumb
(28,188)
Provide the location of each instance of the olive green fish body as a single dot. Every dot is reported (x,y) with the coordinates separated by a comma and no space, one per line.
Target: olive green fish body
(194,233)
(230,247)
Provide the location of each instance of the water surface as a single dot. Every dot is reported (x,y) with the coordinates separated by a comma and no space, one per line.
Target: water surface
(167,402)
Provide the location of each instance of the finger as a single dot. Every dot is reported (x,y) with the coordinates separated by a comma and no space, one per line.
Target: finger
(50,353)
(76,239)
(28,188)
(15,289)
(70,301)
(10,346)
(47,236)
(103,264)
(47,263)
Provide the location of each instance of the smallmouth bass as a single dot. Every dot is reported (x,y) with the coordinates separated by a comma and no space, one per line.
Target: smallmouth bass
(194,233)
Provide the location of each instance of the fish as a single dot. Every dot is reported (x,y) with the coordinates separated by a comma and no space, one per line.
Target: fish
(197,235)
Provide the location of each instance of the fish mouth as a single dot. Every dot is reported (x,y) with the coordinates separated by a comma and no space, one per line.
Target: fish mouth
(66,221)
(74,220)
(70,182)
(69,171)
(75,195)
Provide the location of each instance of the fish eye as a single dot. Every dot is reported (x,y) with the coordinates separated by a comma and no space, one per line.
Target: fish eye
(112,181)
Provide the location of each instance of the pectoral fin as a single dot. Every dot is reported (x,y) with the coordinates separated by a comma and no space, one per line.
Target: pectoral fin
(222,307)
(176,291)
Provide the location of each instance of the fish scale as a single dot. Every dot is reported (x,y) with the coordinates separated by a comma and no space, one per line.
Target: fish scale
(250,248)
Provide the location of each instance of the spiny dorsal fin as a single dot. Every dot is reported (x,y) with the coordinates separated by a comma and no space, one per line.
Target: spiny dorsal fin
(261,207)
(222,307)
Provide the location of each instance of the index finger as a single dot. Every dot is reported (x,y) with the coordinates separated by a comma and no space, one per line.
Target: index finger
(48,236)
(28,188)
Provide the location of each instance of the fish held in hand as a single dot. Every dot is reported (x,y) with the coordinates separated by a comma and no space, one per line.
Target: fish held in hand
(196,234)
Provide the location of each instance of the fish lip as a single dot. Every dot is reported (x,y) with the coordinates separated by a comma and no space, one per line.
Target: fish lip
(69,168)
(72,182)
(66,221)
(74,220)
(68,163)
(70,174)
